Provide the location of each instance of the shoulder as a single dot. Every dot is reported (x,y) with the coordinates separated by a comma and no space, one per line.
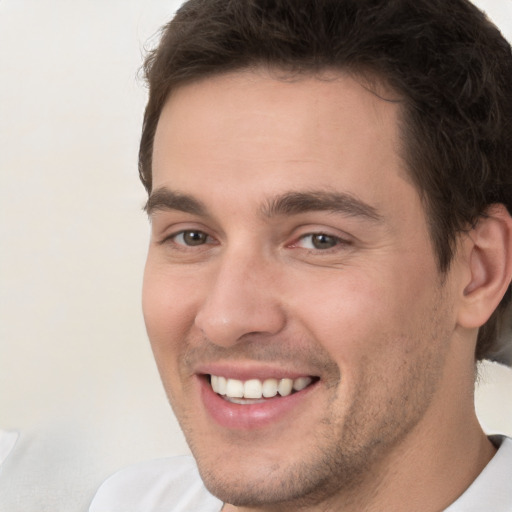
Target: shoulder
(7,441)
(160,485)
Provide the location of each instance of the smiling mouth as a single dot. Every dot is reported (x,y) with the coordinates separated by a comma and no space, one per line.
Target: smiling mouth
(255,390)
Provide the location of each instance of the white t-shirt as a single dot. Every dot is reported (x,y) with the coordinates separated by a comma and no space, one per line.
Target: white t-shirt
(7,442)
(174,485)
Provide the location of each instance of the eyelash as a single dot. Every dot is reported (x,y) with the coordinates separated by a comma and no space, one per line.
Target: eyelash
(337,241)
(172,238)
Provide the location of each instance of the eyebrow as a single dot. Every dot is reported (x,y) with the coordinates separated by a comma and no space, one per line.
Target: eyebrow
(164,199)
(294,203)
(289,203)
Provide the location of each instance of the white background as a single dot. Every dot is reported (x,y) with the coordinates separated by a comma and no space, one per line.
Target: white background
(76,372)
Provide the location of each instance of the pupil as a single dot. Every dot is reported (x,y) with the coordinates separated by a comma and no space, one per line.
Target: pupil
(194,237)
(323,241)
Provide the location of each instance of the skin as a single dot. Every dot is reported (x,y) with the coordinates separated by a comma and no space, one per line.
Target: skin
(391,418)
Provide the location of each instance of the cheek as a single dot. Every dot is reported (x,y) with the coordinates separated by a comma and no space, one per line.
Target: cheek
(360,316)
(168,314)
(168,319)
(165,294)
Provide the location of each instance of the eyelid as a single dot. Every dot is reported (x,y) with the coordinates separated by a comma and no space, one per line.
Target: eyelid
(308,230)
(166,238)
(166,223)
(339,241)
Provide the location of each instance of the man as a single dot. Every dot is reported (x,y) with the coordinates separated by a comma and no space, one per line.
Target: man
(331,252)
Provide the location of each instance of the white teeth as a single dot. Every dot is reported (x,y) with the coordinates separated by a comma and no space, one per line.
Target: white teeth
(285,387)
(269,388)
(221,385)
(214,381)
(244,401)
(301,383)
(255,389)
(235,388)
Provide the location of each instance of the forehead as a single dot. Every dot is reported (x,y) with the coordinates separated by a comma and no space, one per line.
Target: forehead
(256,128)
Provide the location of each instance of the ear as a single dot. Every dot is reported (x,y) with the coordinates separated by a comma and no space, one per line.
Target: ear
(488,250)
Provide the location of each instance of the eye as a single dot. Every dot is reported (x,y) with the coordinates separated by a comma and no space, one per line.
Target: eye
(191,238)
(319,241)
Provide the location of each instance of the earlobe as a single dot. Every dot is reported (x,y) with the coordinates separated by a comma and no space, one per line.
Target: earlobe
(489,261)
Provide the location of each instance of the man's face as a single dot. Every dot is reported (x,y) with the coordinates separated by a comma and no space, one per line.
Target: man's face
(289,249)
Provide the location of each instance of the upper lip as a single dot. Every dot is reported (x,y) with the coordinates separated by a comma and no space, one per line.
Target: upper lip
(249,370)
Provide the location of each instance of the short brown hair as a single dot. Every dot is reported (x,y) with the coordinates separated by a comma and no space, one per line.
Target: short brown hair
(448,62)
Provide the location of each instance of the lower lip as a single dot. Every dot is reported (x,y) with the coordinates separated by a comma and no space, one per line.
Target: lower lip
(250,416)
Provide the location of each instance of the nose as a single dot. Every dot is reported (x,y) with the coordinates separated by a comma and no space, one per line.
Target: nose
(241,299)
